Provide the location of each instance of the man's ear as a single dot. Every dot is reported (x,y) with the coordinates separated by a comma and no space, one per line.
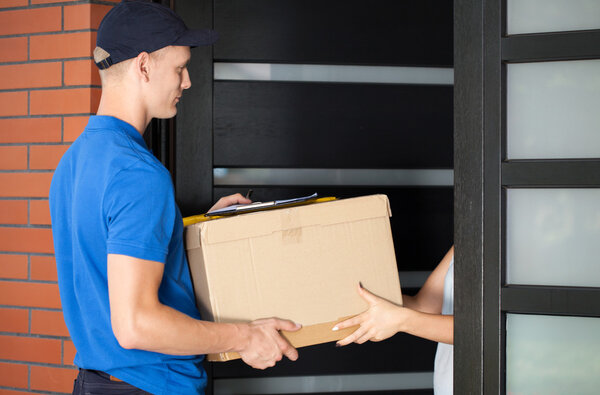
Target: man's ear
(142,65)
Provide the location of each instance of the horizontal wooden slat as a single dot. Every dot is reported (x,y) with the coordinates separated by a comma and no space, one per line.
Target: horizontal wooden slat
(330,125)
(551,300)
(422,219)
(551,173)
(386,32)
(551,46)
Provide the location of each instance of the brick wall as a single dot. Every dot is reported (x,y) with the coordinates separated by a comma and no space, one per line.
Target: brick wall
(48,87)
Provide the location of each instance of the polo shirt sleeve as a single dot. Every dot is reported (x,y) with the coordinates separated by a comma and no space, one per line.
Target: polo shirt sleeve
(140,213)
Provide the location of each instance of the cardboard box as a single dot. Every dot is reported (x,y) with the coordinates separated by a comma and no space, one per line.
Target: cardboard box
(300,263)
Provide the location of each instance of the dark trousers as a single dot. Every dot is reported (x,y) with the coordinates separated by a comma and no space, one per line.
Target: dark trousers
(94,382)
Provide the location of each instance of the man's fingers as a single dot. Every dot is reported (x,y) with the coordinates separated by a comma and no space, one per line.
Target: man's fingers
(227,201)
(286,348)
(238,198)
(286,325)
(234,199)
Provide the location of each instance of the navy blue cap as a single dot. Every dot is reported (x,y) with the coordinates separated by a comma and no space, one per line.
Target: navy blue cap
(135,26)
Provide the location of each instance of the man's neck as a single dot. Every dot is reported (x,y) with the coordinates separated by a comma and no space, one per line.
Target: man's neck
(116,104)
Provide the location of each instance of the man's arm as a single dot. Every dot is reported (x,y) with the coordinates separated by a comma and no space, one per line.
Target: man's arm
(139,320)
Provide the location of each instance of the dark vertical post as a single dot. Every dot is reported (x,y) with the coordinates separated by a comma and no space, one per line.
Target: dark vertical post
(193,138)
(468,196)
(492,143)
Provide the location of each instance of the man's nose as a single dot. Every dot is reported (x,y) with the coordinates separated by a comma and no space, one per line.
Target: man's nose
(186,83)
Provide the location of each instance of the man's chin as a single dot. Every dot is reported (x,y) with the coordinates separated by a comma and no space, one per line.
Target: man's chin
(167,115)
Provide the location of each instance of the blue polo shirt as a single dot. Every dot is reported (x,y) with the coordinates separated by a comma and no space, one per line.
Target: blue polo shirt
(110,195)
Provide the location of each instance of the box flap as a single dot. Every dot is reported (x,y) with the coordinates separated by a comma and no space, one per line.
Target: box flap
(320,214)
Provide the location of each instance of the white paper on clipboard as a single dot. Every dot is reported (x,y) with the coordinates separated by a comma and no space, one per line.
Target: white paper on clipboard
(240,208)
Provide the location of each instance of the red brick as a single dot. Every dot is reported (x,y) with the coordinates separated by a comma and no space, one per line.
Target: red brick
(13,266)
(58,46)
(30,130)
(26,240)
(28,294)
(84,16)
(65,101)
(13,49)
(13,212)
(81,72)
(10,392)
(13,375)
(25,184)
(73,127)
(46,378)
(39,212)
(13,103)
(52,1)
(18,348)
(34,20)
(69,352)
(13,157)
(43,268)
(43,157)
(48,323)
(13,3)
(14,320)
(33,75)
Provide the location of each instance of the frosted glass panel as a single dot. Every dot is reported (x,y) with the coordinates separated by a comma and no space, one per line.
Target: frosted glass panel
(333,73)
(552,110)
(379,177)
(552,355)
(553,237)
(536,16)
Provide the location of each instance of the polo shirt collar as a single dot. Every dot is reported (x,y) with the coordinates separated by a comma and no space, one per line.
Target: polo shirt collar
(110,122)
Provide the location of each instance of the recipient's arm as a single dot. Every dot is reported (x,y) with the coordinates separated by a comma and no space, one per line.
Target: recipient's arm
(141,321)
(420,315)
(384,319)
(430,297)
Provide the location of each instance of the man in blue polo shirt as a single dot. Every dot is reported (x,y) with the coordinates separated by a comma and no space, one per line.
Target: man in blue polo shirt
(124,281)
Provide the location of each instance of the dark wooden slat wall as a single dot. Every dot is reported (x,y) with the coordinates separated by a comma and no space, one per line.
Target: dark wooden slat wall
(325,125)
(379,32)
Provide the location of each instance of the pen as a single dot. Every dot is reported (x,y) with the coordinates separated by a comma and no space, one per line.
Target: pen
(249,194)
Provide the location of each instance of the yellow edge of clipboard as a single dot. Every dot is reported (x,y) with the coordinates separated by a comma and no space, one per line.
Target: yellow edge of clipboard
(194,219)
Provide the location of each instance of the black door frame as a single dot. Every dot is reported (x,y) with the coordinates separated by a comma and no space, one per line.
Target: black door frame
(482,175)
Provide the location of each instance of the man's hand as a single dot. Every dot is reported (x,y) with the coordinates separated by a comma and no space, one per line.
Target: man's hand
(265,344)
(230,200)
(383,319)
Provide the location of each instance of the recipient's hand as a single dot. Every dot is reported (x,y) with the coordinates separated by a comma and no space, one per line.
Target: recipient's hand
(265,344)
(230,200)
(383,319)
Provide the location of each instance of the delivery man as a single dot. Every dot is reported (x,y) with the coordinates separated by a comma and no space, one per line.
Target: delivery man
(123,276)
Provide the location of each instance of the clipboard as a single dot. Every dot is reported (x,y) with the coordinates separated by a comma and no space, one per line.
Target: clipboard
(255,206)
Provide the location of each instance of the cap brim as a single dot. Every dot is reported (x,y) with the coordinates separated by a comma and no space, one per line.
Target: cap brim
(197,38)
